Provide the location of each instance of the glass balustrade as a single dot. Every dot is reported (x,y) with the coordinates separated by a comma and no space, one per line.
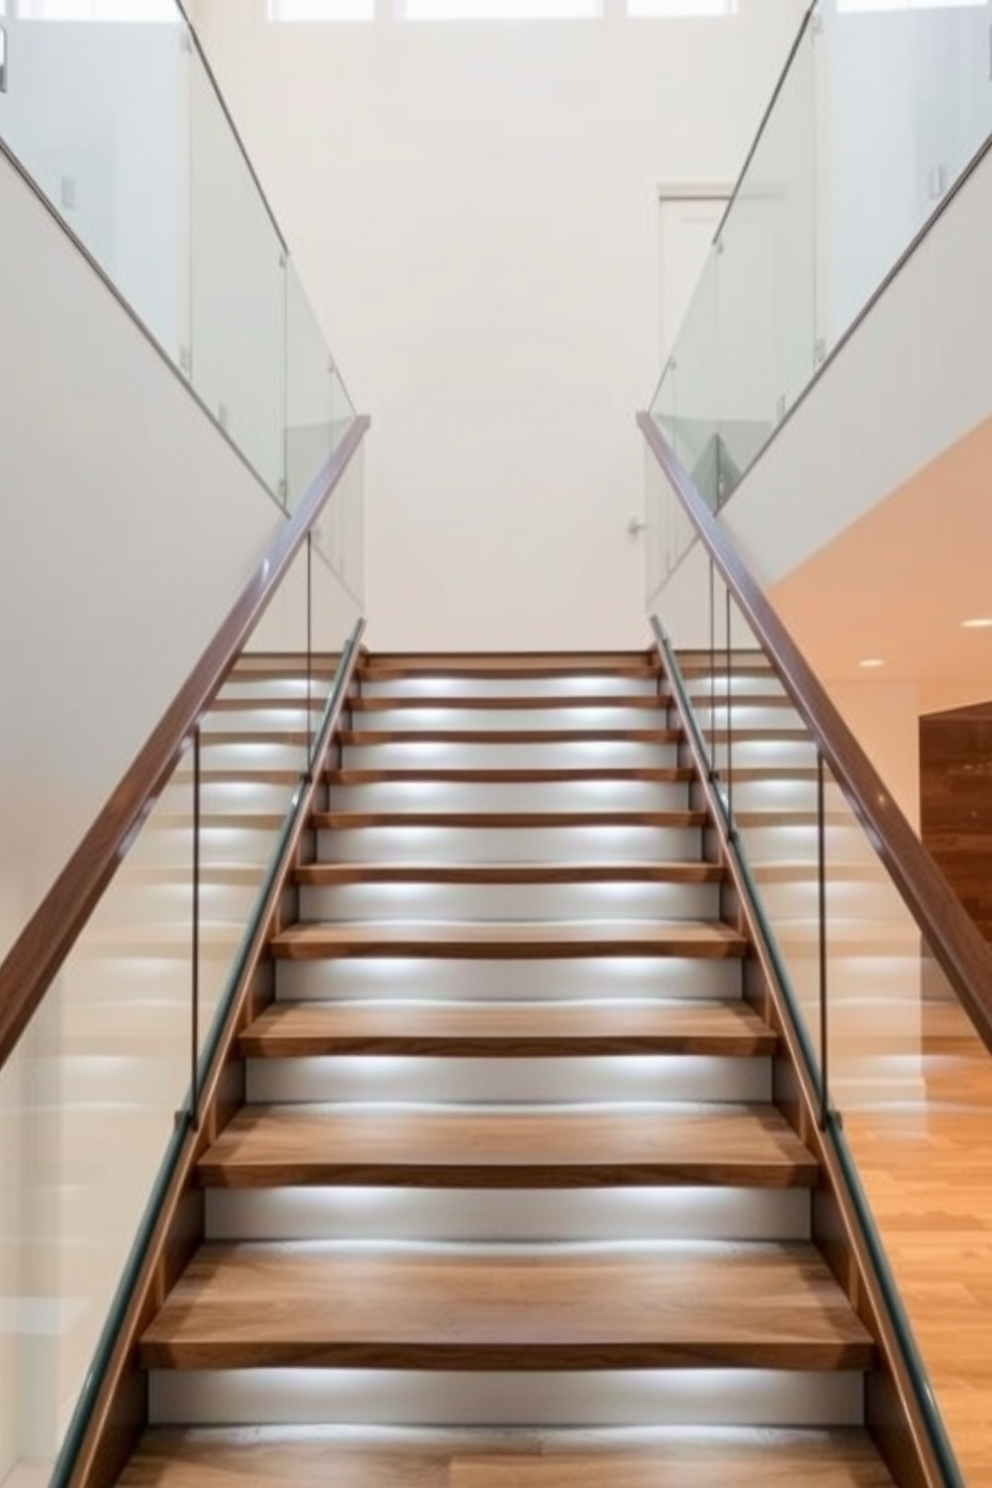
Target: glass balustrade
(91,1097)
(898,1072)
(112,112)
(883,105)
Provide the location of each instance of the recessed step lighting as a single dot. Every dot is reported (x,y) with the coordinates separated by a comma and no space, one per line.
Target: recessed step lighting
(979,622)
(871,663)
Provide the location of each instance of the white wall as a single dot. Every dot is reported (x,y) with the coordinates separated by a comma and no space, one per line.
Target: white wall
(474,211)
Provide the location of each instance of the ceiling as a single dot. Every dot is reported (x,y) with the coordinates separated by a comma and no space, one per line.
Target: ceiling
(896,585)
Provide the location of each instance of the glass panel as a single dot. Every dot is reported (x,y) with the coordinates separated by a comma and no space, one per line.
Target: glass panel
(309,372)
(693,404)
(907,1073)
(883,106)
(107,1052)
(914,1085)
(767,765)
(342,408)
(120,126)
(339,534)
(110,1048)
(767,288)
(97,115)
(238,290)
(905,103)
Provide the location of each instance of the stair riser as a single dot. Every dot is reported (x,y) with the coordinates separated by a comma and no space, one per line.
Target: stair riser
(266,689)
(678,1397)
(784,842)
(288,716)
(93,983)
(470,720)
(699,689)
(481,980)
(869,903)
(422,754)
(150,903)
(598,1077)
(535,1215)
(749,715)
(252,755)
(242,792)
(171,845)
(477,902)
(773,795)
(586,844)
(563,795)
(774,752)
(577,685)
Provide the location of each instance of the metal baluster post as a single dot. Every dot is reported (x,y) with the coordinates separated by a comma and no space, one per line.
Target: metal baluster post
(310,741)
(195,985)
(714,772)
(730,719)
(821,855)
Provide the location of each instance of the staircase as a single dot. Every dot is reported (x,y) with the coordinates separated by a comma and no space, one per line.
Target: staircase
(509,1202)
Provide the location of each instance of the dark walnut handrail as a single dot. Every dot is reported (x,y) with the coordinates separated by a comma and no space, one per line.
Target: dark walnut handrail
(37,955)
(962,953)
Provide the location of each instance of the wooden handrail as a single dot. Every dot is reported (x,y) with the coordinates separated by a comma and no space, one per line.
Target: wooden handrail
(42,946)
(950,933)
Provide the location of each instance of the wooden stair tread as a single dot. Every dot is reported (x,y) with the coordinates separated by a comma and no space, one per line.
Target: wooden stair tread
(575,1147)
(664,775)
(331,874)
(343,820)
(510,736)
(524,940)
(302,1029)
(526,1307)
(274,1458)
(505,702)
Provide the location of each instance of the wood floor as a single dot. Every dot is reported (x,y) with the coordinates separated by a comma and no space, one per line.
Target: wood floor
(927,1170)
